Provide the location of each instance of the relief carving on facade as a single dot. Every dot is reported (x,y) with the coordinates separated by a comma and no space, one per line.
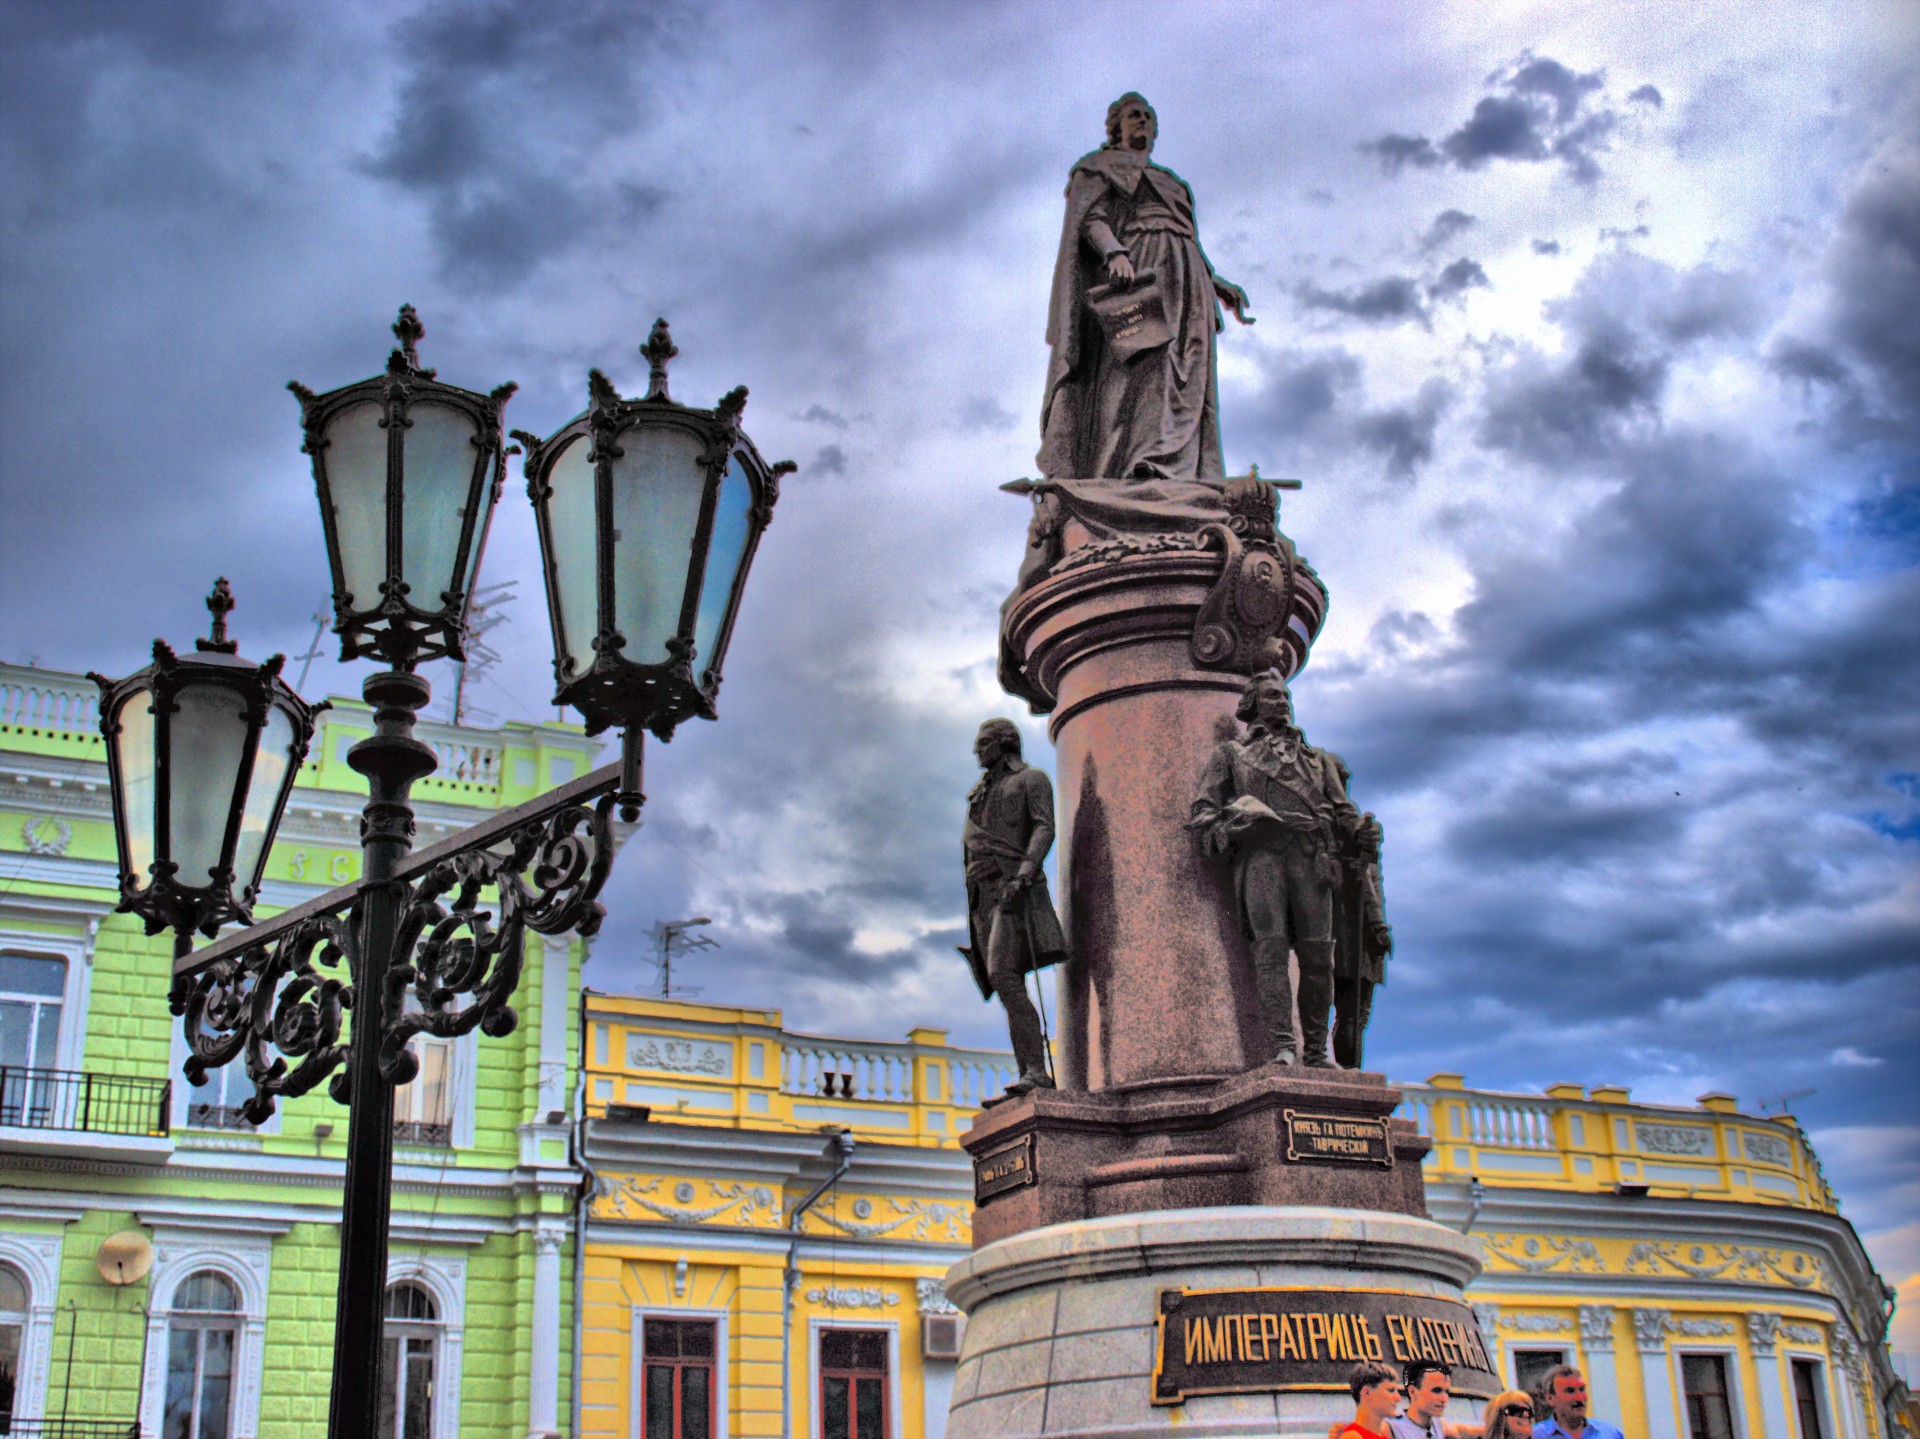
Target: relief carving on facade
(932,1294)
(1769,1149)
(1763,1332)
(1712,1261)
(1596,1328)
(621,1195)
(678,1056)
(1537,1256)
(913,1218)
(1538,1323)
(1682,1139)
(1650,1329)
(851,1296)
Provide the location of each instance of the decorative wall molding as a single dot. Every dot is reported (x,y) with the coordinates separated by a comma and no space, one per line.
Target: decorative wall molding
(1537,1256)
(1701,1328)
(1650,1329)
(1682,1139)
(1769,1149)
(37,1258)
(244,1256)
(1763,1333)
(1802,1333)
(1712,1261)
(932,1294)
(913,1219)
(677,1056)
(853,1296)
(1538,1323)
(620,1196)
(46,834)
(444,1276)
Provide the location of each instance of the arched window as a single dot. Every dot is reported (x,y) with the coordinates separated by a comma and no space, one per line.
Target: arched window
(13,1338)
(202,1334)
(409,1358)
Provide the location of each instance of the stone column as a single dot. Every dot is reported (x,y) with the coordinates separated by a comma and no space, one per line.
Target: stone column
(1596,1350)
(1853,1400)
(1160,986)
(543,1357)
(1650,1328)
(1763,1336)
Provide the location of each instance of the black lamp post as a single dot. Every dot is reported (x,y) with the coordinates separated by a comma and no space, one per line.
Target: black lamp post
(647,529)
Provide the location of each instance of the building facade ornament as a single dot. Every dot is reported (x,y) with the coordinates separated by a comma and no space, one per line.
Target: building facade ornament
(1763,1333)
(1682,1139)
(932,1294)
(1539,1323)
(1650,1329)
(1769,1149)
(912,1219)
(853,1296)
(47,834)
(1801,1333)
(1711,1261)
(1487,1316)
(1596,1328)
(1701,1328)
(1537,1256)
(755,1204)
(677,1056)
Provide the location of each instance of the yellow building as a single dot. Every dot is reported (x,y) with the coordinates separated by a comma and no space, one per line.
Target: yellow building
(773,1214)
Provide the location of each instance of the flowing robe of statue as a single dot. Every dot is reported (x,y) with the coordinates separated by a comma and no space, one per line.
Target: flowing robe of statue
(1154,415)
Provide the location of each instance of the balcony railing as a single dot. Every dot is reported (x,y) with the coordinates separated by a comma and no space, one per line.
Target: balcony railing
(47,699)
(82,1100)
(422,1131)
(23,1428)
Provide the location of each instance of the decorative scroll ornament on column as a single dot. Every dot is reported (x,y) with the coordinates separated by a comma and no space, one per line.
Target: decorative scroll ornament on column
(1487,1316)
(1596,1328)
(1241,619)
(1763,1332)
(1650,1329)
(932,1294)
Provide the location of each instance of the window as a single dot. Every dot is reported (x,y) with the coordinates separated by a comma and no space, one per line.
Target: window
(216,1104)
(1704,1378)
(409,1345)
(202,1334)
(31,991)
(13,1338)
(1530,1366)
(423,1110)
(853,1383)
(678,1355)
(1806,1398)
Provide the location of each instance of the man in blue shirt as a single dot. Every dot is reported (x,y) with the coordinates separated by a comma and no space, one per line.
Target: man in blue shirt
(1565,1389)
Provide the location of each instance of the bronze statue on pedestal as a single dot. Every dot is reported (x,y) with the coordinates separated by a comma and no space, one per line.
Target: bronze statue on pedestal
(1012,927)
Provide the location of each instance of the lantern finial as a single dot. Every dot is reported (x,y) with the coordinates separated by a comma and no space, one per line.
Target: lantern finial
(658,350)
(220,602)
(408,330)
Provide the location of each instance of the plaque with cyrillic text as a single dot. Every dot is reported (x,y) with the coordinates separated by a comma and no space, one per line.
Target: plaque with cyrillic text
(1337,1139)
(1250,1341)
(1006,1168)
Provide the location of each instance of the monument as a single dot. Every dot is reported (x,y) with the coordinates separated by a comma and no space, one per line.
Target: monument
(1212,1214)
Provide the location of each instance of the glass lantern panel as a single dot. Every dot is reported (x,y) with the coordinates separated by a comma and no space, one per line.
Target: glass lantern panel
(135,743)
(573,535)
(657,485)
(356,463)
(724,553)
(440,455)
(270,768)
(207,740)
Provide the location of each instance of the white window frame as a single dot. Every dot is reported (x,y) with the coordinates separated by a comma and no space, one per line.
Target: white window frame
(70,1046)
(185,1090)
(462,1083)
(638,1378)
(1736,1383)
(245,1260)
(816,1421)
(444,1276)
(1822,1388)
(37,1257)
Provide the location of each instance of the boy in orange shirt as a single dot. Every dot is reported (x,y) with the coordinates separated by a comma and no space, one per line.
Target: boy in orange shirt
(1376,1396)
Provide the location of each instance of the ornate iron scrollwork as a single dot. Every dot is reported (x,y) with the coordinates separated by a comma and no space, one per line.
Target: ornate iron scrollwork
(454,969)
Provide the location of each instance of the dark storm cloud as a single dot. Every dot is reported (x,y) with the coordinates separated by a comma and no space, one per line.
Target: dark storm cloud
(1459,277)
(1446,226)
(1404,433)
(829,460)
(1390,300)
(1540,112)
(501,109)
(1546,247)
(1646,95)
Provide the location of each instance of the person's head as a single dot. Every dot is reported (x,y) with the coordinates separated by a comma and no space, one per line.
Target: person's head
(1509,1416)
(998,739)
(1131,123)
(1566,1390)
(1376,1390)
(1429,1385)
(1266,700)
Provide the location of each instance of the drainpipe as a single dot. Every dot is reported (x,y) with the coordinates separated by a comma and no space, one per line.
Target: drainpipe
(841,1146)
(589,1182)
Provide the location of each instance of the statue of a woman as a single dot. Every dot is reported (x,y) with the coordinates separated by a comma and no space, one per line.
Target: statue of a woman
(1113,411)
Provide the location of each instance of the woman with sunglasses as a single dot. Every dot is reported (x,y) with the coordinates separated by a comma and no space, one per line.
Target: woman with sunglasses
(1509,1416)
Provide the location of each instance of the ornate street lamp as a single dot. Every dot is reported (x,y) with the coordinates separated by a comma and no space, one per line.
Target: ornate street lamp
(202,750)
(649,514)
(408,471)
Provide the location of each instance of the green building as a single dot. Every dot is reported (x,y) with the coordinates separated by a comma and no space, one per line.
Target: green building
(168,1269)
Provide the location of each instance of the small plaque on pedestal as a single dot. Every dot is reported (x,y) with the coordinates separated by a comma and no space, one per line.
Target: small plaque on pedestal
(1006,1167)
(1338,1139)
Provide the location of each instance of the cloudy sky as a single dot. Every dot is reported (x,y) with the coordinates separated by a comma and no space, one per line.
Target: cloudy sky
(1589,326)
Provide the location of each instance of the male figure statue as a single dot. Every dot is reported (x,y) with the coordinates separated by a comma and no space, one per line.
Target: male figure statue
(1280,808)
(1357,971)
(1010,916)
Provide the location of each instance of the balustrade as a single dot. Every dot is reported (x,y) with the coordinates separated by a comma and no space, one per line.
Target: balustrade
(35,699)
